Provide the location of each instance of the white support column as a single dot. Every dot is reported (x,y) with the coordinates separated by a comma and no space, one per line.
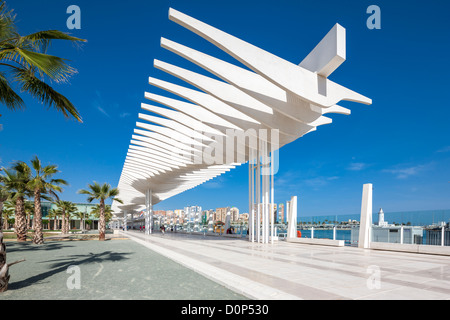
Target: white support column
(365,225)
(272,198)
(148,212)
(292,224)
(401,234)
(265,194)
(258,197)
(442,236)
(251,210)
(334,232)
(250,195)
(263,190)
(288,212)
(125,220)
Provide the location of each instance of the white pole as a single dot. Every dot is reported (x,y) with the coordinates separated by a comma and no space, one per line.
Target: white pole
(287,211)
(250,187)
(253,195)
(312,232)
(272,201)
(401,235)
(334,232)
(258,197)
(149,212)
(442,236)
(263,195)
(266,195)
(365,224)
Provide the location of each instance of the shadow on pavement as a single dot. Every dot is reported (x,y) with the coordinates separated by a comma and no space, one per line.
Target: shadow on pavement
(61,265)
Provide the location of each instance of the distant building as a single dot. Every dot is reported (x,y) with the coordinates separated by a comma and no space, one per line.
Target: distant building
(221,214)
(243,217)
(281,213)
(169,213)
(208,214)
(193,213)
(275,212)
(90,221)
(179,214)
(234,212)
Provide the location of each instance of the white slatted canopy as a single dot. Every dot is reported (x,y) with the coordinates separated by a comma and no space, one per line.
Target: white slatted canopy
(170,153)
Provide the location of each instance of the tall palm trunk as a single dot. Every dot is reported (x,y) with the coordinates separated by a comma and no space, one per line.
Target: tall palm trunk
(28,220)
(38,237)
(101,222)
(2,223)
(20,225)
(67,224)
(4,277)
(63,221)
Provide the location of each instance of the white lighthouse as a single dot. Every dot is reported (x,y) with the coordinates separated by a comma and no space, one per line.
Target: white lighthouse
(381,221)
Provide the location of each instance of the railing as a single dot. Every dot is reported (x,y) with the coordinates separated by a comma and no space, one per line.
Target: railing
(412,227)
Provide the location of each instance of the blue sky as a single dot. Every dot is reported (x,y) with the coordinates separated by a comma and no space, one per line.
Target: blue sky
(400,143)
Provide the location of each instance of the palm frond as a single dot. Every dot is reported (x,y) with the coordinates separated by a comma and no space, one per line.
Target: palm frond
(7,26)
(54,67)
(45,93)
(46,197)
(36,164)
(41,40)
(8,96)
(118,200)
(59,181)
(83,191)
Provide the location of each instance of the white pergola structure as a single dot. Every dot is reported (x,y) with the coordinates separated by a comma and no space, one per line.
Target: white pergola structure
(265,106)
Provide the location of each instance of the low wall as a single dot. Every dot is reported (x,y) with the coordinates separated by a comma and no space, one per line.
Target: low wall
(322,242)
(414,248)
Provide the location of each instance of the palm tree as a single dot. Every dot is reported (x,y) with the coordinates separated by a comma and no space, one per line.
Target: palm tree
(71,212)
(41,184)
(3,197)
(82,216)
(108,212)
(15,181)
(66,207)
(53,214)
(26,62)
(101,192)
(28,207)
(8,211)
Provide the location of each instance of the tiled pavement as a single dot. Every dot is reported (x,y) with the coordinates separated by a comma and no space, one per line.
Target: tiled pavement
(299,271)
(119,269)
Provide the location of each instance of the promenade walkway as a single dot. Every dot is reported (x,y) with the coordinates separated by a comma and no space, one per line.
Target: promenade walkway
(108,270)
(298,271)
